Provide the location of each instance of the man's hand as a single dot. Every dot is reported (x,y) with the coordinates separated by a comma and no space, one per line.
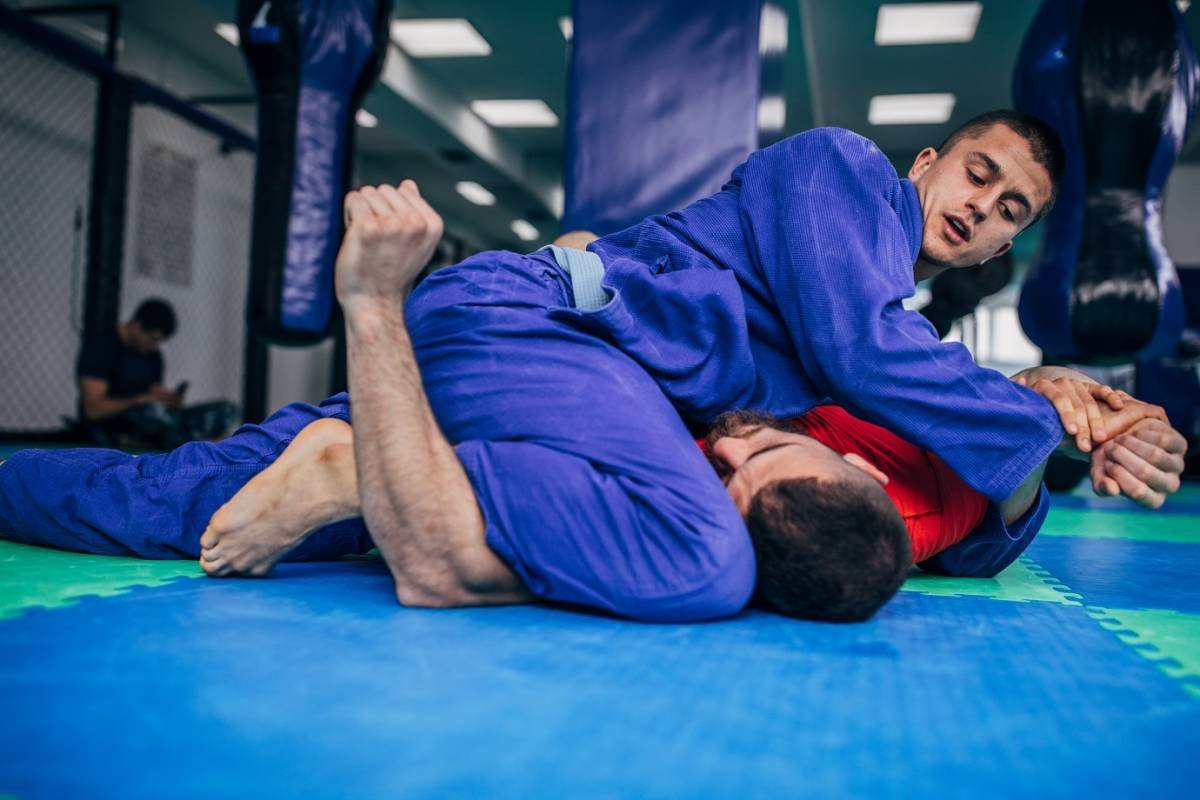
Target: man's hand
(1077,399)
(1144,463)
(160,394)
(391,233)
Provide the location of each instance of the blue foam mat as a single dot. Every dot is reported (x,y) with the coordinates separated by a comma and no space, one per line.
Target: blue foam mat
(1118,573)
(1184,504)
(315,683)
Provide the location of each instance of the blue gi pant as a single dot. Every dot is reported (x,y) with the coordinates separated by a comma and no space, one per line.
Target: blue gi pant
(591,488)
(156,506)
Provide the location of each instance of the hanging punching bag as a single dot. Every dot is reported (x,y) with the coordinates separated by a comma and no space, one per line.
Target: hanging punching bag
(1120,85)
(312,62)
(663,104)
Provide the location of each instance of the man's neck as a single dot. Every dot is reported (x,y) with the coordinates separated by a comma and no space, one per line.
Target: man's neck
(924,270)
(123,333)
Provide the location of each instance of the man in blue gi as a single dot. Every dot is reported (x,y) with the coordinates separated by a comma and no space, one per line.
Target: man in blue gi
(519,421)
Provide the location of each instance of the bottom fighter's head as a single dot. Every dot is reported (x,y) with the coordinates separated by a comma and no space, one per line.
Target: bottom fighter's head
(829,542)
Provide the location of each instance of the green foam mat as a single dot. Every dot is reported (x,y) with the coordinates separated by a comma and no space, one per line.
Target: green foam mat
(39,577)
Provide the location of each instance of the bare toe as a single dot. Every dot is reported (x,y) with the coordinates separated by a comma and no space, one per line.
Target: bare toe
(210,539)
(213,562)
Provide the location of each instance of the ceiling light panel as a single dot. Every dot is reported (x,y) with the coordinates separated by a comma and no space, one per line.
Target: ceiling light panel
(439,38)
(910,109)
(524,231)
(515,113)
(475,193)
(772,113)
(927,23)
(772,30)
(229,32)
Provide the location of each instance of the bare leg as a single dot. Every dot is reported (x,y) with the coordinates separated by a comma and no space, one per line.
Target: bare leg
(310,485)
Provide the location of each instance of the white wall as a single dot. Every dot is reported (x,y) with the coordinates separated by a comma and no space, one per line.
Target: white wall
(299,374)
(207,349)
(1181,214)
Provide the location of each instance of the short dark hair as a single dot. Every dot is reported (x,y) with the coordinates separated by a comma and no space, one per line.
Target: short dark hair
(827,550)
(1044,142)
(156,315)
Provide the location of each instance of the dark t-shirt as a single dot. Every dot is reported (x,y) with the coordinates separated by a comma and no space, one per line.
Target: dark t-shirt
(127,371)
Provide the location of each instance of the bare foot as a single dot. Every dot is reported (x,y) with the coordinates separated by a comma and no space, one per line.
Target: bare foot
(310,485)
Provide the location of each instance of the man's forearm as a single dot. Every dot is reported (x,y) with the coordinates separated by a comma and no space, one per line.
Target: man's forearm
(1019,502)
(416,499)
(105,407)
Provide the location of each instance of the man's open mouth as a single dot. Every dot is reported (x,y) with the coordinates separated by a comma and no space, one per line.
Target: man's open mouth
(959,227)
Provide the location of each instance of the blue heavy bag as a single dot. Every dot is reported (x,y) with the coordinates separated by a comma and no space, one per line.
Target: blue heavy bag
(1119,82)
(663,104)
(312,63)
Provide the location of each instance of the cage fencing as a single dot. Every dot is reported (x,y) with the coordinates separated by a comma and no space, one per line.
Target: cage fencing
(47,125)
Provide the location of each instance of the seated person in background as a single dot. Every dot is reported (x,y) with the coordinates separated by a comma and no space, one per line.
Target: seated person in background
(122,400)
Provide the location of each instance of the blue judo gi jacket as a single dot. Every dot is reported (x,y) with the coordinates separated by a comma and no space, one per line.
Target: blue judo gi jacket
(785,290)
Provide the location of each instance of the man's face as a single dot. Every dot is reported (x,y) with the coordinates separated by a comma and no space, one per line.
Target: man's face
(749,453)
(977,196)
(144,341)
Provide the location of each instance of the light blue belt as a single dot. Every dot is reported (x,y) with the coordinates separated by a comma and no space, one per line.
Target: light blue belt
(586,270)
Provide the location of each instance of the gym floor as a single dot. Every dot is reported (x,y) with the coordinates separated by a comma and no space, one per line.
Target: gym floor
(1076,673)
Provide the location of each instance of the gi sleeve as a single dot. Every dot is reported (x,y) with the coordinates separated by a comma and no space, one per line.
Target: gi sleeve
(822,213)
(579,533)
(991,546)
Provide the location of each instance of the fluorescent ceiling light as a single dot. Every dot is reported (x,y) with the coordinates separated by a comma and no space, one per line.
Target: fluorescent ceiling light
(567,26)
(558,199)
(229,32)
(524,231)
(439,38)
(772,30)
(475,193)
(515,113)
(1184,5)
(83,29)
(772,112)
(366,119)
(910,109)
(927,23)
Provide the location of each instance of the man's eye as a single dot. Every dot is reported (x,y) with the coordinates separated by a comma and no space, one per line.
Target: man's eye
(975,179)
(1004,212)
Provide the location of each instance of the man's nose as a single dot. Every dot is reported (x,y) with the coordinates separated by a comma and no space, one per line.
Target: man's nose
(981,206)
(732,451)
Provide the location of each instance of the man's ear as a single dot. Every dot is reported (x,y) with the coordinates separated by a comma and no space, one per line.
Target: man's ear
(922,162)
(1004,248)
(866,466)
